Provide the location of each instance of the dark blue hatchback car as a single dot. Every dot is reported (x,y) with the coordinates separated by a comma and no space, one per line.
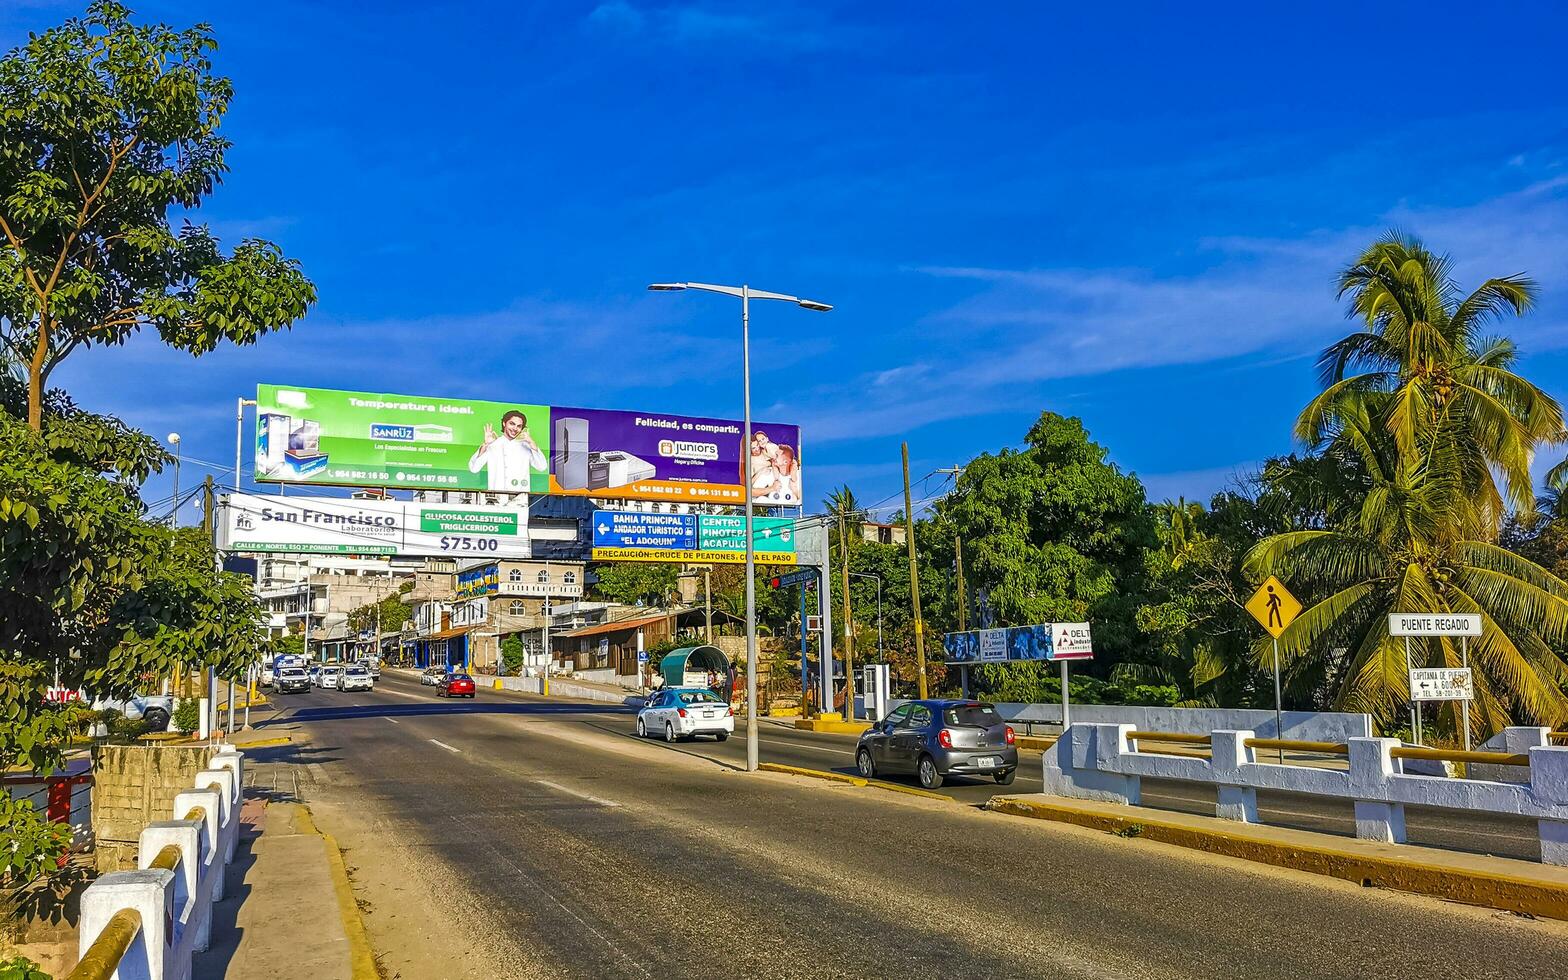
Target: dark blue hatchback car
(937,739)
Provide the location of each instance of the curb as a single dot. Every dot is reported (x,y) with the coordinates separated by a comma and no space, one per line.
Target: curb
(1467,886)
(263,743)
(856,781)
(361,958)
(831,725)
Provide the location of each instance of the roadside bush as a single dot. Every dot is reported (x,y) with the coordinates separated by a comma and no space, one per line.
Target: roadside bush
(21,968)
(187,714)
(512,654)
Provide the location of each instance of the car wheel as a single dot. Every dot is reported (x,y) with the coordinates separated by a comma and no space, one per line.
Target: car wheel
(1006,778)
(642,729)
(722,736)
(864,763)
(157,719)
(669,732)
(930,778)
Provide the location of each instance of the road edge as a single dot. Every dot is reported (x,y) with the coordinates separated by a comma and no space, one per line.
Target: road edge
(362,957)
(1467,886)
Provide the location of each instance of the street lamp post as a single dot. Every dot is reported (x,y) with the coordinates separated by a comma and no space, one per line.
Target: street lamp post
(174,508)
(746,294)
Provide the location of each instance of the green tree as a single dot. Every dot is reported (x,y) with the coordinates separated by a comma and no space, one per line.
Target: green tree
(394,612)
(105,128)
(513,653)
(1440,414)
(638,583)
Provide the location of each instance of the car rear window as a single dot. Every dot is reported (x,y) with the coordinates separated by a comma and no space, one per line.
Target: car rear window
(357,671)
(973,716)
(699,697)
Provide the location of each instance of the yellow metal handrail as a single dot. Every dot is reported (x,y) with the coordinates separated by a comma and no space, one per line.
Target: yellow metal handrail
(103,957)
(1458,755)
(1180,738)
(1326,748)
(196,813)
(168,859)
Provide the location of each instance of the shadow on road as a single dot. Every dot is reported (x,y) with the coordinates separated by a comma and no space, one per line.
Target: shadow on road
(334,713)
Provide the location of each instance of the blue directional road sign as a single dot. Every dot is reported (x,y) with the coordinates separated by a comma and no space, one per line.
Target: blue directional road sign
(806,575)
(634,529)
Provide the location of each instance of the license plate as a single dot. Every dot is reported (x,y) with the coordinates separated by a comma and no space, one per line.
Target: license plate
(989,762)
(707,714)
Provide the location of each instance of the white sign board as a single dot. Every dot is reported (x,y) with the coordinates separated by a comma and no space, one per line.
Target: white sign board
(1070,641)
(340,526)
(1434,624)
(993,646)
(1441,684)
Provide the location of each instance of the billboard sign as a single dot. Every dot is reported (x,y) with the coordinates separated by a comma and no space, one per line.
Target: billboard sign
(651,456)
(367,439)
(1071,641)
(335,526)
(620,535)
(998,645)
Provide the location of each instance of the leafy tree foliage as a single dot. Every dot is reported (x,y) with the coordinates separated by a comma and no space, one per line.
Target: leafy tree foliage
(638,583)
(105,128)
(394,612)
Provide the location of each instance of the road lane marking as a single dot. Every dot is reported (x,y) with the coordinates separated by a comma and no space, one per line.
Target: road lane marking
(394,721)
(572,792)
(446,746)
(404,694)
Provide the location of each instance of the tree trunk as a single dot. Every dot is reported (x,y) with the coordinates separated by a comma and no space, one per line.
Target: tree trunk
(35,378)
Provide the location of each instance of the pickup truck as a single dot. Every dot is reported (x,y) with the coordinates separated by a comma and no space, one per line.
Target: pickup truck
(155,709)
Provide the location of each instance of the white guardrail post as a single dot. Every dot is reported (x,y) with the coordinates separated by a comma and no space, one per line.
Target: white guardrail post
(1230,753)
(1549,779)
(174,903)
(1372,766)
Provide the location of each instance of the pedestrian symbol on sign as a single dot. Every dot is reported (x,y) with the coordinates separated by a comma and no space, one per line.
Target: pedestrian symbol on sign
(1273,606)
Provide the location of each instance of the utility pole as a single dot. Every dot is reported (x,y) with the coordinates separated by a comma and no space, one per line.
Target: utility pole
(914,576)
(707,600)
(849,635)
(958,563)
(209,685)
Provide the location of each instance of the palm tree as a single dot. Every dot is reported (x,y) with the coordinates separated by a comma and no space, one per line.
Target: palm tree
(1430,378)
(842,502)
(1437,415)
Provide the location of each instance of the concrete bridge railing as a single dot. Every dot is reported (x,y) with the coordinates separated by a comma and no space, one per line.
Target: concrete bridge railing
(1103,762)
(146,924)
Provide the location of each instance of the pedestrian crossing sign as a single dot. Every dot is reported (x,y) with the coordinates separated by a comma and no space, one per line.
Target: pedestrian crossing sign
(1273,606)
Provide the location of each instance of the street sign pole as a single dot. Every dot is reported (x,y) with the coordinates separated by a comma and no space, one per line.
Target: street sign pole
(1464,704)
(803,712)
(1279,725)
(1067,708)
(1415,706)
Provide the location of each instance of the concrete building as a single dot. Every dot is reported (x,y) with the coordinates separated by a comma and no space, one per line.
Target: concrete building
(463,616)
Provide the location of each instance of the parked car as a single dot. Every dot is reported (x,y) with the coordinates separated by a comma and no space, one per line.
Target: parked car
(455,686)
(433,676)
(314,670)
(292,680)
(356,678)
(685,712)
(938,739)
(267,675)
(329,678)
(154,709)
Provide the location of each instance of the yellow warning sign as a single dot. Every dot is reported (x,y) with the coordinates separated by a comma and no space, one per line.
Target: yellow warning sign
(1273,606)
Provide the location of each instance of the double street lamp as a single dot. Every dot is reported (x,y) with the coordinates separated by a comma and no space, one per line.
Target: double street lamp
(746,294)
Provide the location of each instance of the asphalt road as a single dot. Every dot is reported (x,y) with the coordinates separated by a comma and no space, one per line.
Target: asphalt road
(544,840)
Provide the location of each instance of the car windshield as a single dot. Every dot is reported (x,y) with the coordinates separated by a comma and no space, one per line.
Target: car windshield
(699,697)
(292,673)
(973,716)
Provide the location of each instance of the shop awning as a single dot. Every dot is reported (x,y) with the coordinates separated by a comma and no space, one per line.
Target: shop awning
(617,626)
(449,634)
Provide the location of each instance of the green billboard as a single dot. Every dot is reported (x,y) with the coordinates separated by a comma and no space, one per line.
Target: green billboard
(356,438)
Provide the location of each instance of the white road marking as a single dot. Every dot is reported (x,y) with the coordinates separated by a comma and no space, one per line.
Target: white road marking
(394,721)
(572,792)
(446,746)
(404,694)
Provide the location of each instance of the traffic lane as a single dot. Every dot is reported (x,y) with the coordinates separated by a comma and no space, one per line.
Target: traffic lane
(637,863)
(1503,836)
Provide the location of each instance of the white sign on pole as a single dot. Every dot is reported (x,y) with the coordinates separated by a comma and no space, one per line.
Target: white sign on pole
(341,526)
(993,645)
(1434,624)
(1070,641)
(1441,684)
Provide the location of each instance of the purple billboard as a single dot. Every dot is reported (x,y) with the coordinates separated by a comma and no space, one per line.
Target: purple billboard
(653,456)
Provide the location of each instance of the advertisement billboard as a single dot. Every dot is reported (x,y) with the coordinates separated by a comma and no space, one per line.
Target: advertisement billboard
(624,535)
(478,581)
(652,456)
(1046,641)
(356,438)
(256,523)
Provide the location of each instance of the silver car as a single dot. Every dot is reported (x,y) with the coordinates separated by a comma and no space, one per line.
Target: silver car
(937,739)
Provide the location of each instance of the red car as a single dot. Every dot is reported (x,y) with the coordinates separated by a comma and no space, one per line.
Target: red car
(455,686)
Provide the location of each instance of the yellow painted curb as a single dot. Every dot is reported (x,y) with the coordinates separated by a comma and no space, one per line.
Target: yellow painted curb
(836,777)
(263,743)
(361,959)
(1034,742)
(1468,886)
(496,684)
(909,791)
(831,725)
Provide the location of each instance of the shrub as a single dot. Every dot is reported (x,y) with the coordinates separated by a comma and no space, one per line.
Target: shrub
(21,968)
(187,714)
(512,653)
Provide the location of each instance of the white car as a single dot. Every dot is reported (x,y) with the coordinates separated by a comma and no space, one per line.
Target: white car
(431,676)
(266,675)
(329,677)
(356,678)
(685,712)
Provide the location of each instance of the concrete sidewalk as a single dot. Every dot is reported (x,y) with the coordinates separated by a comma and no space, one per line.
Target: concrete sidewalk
(285,912)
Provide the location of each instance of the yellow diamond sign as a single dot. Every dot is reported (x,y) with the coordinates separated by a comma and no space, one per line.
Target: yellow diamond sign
(1273,606)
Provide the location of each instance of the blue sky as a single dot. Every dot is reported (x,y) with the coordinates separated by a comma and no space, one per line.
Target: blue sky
(1130,214)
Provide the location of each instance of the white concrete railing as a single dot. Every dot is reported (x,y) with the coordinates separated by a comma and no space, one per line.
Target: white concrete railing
(172,897)
(1097,762)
